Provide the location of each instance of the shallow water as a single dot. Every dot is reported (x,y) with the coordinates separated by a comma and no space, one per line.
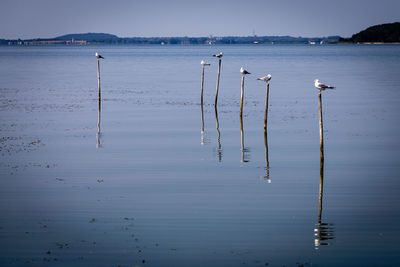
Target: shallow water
(152,187)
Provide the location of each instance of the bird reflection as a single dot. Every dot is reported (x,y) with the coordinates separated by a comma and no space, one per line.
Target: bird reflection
(266,158)
(98,124)
(245,157)
(323,232)
(219,150)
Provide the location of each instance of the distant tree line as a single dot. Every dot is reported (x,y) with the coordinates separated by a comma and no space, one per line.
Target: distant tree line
(385,33)
(104,38)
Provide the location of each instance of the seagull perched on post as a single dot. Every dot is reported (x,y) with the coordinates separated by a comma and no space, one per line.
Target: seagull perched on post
(219,55)
(243,71)
(203,63)
(322,86)
(265,78)
(99,56)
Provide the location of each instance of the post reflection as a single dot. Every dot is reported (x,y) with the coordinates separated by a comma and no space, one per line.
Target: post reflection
(266,177)
(219,149)
(98,125)
(323,232)
(245,150)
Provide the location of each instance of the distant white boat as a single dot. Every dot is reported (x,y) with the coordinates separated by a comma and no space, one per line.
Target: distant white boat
(311,42)
(162,43)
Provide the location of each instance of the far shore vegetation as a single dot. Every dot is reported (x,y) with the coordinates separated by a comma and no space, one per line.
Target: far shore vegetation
(378,34)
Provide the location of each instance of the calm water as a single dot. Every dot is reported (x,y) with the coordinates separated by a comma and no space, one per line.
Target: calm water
(152,190)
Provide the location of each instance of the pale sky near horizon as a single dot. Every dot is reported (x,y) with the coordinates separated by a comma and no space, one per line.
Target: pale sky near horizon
(129,18)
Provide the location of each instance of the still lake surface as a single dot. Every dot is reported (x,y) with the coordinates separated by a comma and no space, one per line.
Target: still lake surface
(153,190)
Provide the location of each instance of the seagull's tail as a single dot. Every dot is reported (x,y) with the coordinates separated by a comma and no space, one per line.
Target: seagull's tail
(331,87)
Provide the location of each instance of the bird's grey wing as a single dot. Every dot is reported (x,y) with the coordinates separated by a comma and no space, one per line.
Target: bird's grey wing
(324,86)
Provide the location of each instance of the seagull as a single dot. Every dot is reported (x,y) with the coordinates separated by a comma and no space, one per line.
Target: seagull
(322,86)
(219,55)
(203,63)
(99,56)
(243,71)
(265,78)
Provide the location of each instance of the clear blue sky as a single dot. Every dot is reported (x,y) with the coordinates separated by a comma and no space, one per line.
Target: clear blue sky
(127,18)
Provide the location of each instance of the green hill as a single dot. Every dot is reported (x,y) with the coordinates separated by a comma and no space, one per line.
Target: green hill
(384,33)
(90,37)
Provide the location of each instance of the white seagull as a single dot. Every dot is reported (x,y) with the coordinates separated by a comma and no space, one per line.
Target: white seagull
(99,56)
(265,78)
(322,86)
(219,55)
(203,63)
(243,71)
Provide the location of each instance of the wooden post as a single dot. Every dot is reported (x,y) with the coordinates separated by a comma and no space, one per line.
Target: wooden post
(266,107)
(202,119)
(241,97)
(266,155)
(321,189)
(219,71)
(321,127)
(98,124)
(241,135)
(243,148)
(218,135)
(99,108)
(202,85)
(98,77)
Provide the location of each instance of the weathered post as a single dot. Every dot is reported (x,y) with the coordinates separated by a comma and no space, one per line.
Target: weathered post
(243,72)
(202,85)
(98,56)
(203,64)
(266,79)
(266,157)
(98,77)
(266,106)
(218,135)
(98,124)
(241,97)
(219,56)
(202,119)
(321,127)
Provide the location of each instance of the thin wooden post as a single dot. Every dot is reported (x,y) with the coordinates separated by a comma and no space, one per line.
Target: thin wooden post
(321,189)
(98,77)
(98,124)
(218,135)
(266,156)
(202,85)
(321,127)
(242,136)
(241,97)
(202,119)
(218,75)
(266,107)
